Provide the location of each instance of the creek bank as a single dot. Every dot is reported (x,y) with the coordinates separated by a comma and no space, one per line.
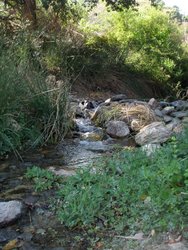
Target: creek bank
(38,228)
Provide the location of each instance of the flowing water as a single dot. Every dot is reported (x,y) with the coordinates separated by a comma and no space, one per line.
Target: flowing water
(38,228)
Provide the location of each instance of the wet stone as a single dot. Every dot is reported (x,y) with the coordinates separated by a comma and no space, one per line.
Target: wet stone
(10,211)
(7,234)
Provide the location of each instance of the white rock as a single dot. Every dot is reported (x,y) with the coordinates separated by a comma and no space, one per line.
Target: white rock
(154,133)
(10,211)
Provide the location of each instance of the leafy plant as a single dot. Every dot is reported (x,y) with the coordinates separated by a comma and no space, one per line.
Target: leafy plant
(43,179)
(129,191)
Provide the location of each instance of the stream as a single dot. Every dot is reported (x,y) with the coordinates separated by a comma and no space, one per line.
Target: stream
(38,228)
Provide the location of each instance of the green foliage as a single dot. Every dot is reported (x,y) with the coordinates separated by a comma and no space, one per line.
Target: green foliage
(29,111)
(43,179)
(148,42)
(130,191)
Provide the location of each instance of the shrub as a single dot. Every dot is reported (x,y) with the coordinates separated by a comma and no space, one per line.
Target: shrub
(146,41)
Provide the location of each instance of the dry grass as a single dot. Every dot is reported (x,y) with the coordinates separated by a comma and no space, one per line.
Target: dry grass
(138,115)
(135,115)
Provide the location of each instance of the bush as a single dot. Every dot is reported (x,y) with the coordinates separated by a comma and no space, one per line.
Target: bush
(146,41)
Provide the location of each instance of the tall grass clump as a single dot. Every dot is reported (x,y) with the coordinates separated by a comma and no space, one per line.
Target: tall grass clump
(31,110)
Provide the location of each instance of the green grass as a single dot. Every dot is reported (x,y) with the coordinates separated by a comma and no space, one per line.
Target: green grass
(129,191)
(32,112)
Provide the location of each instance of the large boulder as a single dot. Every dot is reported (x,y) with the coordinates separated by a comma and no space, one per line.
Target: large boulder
(117,129)
(154,133)
(10,211)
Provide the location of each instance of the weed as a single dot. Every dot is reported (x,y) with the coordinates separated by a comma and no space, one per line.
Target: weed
(43,179)
(129,191)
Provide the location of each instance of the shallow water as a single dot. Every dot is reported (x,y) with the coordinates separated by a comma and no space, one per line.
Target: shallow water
(38,227)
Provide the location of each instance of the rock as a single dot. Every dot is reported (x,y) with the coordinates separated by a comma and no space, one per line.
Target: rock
(82,104)
(6,234)
(167,118)
(10,211)
(154,133)
(95,146)
(168,110)
(174,123)
(91,105)
(150,148)
(164,104)
(117,98)
(87,105)
(158,113)
(117,129)
(180,105)
(153,103)
(128,101)
(96,135)
(180,114)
